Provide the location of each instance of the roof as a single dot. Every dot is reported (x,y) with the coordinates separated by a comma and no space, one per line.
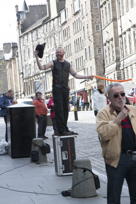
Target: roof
(35,13)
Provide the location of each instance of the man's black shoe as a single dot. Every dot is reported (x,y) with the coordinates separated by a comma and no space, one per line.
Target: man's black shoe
(73,133)
(63,133)
(66,133)
(69,133)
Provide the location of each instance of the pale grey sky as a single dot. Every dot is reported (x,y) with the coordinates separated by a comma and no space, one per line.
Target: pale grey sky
(8,31)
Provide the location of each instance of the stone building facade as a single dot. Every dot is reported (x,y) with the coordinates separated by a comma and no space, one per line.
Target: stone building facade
(119,38)
(10,52)
(72,24)
(3,74)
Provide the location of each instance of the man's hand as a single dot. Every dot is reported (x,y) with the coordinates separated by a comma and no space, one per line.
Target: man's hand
(91,77)
(35,53)
(122,115)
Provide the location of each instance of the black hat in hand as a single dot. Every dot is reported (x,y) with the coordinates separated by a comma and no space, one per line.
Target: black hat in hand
(40,48)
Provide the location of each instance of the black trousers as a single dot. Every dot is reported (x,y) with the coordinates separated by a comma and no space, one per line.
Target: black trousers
(42,124)
(54,125)
(61,107)
(126,169)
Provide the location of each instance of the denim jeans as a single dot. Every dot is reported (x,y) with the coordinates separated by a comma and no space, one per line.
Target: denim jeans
(126,169)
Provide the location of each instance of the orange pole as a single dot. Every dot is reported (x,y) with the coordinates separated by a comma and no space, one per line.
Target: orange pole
(113,80)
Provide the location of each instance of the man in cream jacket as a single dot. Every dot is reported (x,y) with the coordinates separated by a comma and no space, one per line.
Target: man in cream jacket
(116,126)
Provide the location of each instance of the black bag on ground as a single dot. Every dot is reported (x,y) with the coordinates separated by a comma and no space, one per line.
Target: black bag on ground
(34,156)
(45,148)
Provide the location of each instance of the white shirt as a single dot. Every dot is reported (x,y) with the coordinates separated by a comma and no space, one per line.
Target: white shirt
(99,100)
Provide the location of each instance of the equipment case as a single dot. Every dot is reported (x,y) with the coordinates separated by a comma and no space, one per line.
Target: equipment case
(64,154)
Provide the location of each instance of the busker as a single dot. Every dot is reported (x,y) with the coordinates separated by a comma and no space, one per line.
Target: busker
(41,114)
(60,73)
(116,126)
(5,101)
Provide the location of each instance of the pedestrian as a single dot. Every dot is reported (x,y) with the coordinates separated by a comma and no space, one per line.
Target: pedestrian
(60,73)
(99,99)
(5,101)
(90,104)
(50,106)
(41,114)
(116,126)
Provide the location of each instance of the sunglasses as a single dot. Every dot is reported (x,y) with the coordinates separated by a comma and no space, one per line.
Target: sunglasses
(118,94)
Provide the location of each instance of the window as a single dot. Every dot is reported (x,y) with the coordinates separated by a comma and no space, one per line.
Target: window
(24,55)
(105,54)
(86,9)
(36,34)
(99,50)
(97,27)
(29,53)
(106,16)
(91,72)
(82,10)
(84,31)
(121,47)
(63,16)
(130,42)
(134,38)
(109,57)
(109,11)
(127,73)
(76,5)
(112,51)
(89,49)
(132,3)
(85,54)
(125,44)
(95,4)
(132,71)
(102,17)
(127,6)
(74,27)
(122,7)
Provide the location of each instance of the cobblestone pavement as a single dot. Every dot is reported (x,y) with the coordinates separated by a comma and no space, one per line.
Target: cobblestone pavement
(87,144)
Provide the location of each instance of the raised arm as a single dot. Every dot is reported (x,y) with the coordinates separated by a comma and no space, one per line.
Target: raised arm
(78,76)
(42,67)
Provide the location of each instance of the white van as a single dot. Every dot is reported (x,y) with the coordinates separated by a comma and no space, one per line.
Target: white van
(25,101)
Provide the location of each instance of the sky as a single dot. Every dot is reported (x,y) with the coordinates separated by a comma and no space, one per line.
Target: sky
(8,23)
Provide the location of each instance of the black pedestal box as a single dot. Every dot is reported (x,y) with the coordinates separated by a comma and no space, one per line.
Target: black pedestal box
(64,154)
(21,130)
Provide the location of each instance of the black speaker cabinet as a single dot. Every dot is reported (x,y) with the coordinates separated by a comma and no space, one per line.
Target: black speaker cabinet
(21,130)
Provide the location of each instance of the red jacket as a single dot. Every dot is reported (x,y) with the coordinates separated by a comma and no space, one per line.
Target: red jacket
(50,105)
(40,107)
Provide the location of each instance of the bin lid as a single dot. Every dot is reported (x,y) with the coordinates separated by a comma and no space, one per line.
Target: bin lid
(20,105)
